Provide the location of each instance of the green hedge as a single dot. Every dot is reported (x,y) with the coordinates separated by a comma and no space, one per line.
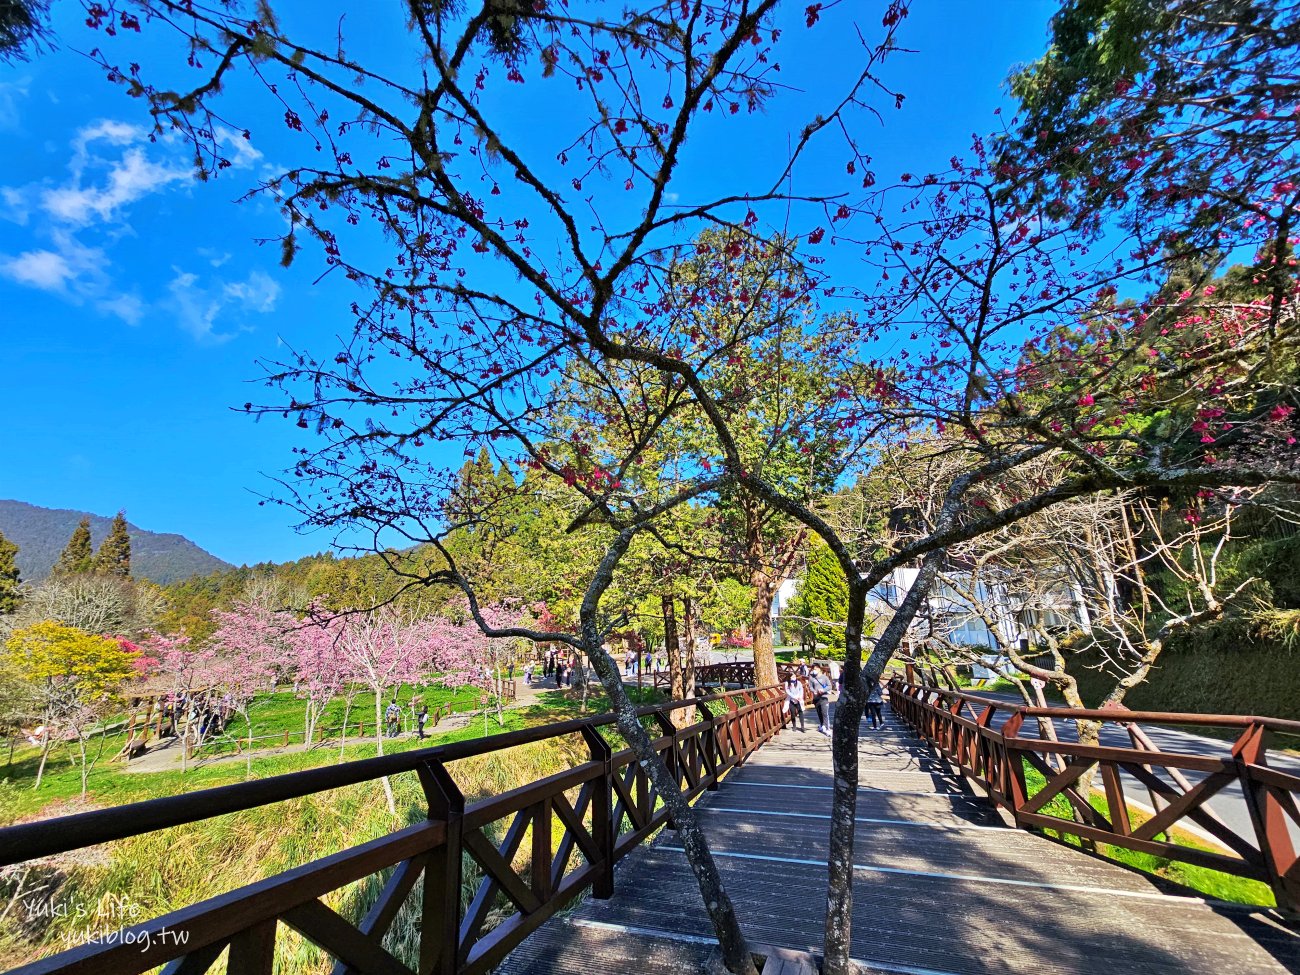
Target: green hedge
(1222,671)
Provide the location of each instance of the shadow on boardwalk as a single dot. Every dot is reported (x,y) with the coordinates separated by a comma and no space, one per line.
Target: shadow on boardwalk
(941,887)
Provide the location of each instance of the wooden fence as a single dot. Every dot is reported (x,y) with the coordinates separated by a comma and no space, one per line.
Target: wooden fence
(962,727)
(732,674)
(601,809)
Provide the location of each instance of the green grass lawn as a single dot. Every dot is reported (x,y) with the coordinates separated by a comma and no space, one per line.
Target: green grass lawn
(1211,883)
(109,783)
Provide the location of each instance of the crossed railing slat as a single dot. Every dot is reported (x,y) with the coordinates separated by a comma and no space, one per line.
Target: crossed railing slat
(600,810)
(960,727)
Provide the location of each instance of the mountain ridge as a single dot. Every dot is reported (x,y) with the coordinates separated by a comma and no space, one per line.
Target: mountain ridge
(41,533)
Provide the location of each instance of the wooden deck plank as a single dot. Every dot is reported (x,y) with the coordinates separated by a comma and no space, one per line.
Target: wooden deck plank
(939,886)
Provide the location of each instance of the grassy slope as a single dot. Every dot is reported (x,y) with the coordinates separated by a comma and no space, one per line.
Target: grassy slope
(1212,883)
(149,875)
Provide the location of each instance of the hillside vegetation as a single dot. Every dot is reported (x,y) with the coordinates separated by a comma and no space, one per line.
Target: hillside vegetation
(41,534)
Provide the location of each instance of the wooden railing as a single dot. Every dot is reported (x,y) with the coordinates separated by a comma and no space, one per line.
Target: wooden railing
(600,809)
(732,674)
(962,727)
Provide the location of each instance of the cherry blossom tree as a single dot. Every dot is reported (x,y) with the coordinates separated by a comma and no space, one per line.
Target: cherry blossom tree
(981,310)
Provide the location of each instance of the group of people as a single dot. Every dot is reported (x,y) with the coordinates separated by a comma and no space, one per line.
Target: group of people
(636,663)
(556,663)
(819,685)
(393,719)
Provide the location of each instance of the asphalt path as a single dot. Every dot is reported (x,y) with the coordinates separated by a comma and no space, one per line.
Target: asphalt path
(1228,804)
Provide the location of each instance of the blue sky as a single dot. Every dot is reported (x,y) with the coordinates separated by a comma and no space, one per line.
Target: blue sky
(135,301)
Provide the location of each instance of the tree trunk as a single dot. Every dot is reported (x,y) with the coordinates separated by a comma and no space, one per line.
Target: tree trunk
(731,939)
(343,734)
(379,747)
(763,587)
(688,659)
(760,628)
(722,913)
(85,771)
(844,751)
(45,754)
(844,799)
(673,650)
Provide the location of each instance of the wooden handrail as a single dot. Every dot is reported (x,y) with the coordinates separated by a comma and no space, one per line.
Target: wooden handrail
(614,810)
(997,759)
(1281,725)
(28,841)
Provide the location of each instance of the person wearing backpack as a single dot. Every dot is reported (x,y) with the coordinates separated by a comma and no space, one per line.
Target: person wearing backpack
(393,715)
(821,692)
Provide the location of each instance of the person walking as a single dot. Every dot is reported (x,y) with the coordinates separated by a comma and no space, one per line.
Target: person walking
(528,675)
(794,701)
(876,705)
(421,718)
(821,692)
(392,716)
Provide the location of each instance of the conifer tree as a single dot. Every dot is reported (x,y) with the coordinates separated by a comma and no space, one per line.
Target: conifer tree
(77,556)
(9,580)
(114,555)
(824,599)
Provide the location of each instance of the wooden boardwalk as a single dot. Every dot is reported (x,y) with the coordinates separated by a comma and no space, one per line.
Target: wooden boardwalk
(942,887)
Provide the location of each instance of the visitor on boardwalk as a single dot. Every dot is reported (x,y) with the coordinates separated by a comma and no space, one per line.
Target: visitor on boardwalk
(393,717)
(821,692)
(421,718)
(875,705)
(794,701)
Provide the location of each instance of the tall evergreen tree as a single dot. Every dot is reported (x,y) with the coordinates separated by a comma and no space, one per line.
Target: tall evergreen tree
(9,597)
(77,556)
(824,599)
(114,555)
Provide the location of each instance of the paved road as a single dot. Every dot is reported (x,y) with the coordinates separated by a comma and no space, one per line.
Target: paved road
(1229,804)
(941,887)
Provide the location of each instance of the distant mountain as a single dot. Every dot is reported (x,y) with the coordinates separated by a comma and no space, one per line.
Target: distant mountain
(41,533)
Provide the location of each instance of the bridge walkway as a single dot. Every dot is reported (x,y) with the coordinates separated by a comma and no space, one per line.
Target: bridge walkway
(942,886)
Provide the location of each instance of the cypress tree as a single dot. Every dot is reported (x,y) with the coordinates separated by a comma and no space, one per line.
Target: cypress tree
(77,556)
(114,555)
(9,597)
(825,596)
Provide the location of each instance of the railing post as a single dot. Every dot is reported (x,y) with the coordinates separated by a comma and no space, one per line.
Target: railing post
(602,811)
(710,749)
(1268,819)
(440,926)
(1016,790)
(670,756)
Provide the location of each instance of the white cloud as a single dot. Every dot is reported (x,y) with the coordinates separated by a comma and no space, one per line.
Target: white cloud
(238,150)
(218,313)
(259,293)
(127,178)
(75,272)
(42,269)
(16,205)
(112,166)
(129,308)
(214,257)
(11,94)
